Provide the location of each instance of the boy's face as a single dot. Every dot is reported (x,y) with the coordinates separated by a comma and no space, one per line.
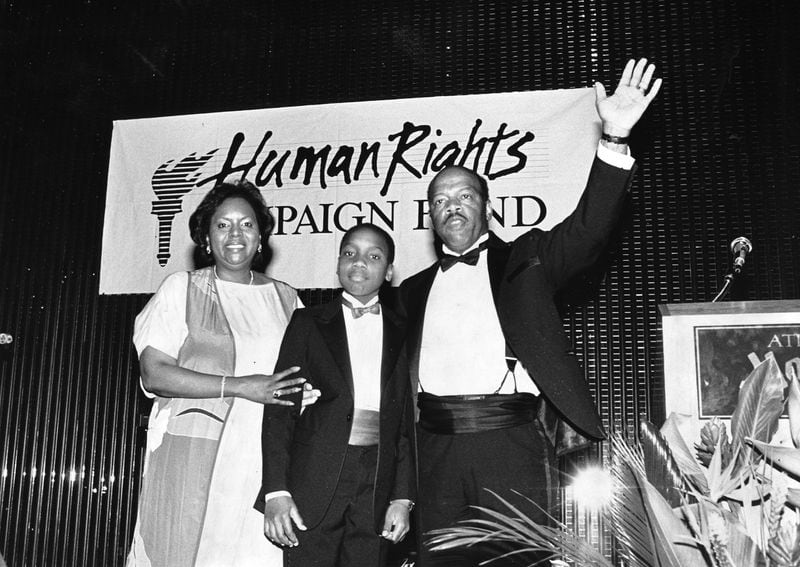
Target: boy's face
(363,264)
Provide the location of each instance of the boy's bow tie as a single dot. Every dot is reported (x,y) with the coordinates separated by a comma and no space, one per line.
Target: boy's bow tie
(357,312)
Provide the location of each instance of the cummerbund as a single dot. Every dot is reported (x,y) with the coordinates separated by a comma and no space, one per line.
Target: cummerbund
(448,415)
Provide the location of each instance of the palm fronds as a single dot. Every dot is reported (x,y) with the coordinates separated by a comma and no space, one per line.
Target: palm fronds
(660,467)
(634,526)
(518,529)
(649,532)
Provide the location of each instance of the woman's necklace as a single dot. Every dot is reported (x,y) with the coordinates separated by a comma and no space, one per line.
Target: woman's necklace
(216,275)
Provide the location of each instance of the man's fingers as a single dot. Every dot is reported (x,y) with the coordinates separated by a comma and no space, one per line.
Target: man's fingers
(395,533)
(399,533)
(638,72)
(625,78)
(395,526)
(653,91)
(310,392)
(278,521)
(647,77)
(388,534)
(388,526)
(287,532)
(294,513)
(276,530)
(272,532)
(269,529)
(310,395)
(600,91)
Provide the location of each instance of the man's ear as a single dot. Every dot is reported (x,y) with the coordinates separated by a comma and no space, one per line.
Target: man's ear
(488,211)
(389,272)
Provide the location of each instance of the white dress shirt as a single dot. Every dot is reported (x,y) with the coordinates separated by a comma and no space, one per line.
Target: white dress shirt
(365,346)
(463,348)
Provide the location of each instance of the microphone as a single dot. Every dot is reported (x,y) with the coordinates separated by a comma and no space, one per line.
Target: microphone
(739,248)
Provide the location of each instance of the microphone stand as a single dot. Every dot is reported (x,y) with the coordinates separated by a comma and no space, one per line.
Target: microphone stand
(726,287)
(740,246)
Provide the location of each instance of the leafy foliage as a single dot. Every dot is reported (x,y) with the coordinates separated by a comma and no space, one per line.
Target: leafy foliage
(730,506)
(758,410)
(516,528)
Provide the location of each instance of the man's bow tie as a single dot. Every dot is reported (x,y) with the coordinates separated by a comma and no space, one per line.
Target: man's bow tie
(447,261)
(357,312)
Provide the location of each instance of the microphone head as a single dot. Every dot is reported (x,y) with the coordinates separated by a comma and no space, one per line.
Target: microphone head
(741,243)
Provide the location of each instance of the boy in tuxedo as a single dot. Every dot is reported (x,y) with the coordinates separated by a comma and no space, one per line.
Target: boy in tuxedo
(337,478)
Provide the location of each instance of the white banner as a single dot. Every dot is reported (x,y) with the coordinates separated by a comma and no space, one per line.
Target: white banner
(324,168)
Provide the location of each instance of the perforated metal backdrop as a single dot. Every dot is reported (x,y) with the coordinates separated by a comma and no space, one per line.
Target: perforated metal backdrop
(718,158)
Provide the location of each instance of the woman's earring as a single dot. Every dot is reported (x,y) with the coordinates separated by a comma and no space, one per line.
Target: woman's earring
(208,249)
(259,248)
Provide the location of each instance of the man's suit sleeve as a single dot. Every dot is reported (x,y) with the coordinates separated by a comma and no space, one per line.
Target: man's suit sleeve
(577,242)
(277,429)
(405,477)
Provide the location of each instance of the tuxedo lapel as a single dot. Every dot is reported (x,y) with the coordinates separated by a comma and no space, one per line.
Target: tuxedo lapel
(418,299)
(392,341)
(334,333)
(497,254)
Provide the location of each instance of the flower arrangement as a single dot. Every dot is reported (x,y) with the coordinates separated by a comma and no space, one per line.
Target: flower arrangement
(730,503)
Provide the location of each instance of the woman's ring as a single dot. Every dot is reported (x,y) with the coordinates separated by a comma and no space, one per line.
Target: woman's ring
(640,88)
(276,394)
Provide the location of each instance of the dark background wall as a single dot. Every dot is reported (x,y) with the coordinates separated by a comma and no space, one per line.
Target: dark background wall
(718,155)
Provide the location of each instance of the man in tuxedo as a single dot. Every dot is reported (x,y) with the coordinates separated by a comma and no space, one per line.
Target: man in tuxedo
(489,361)
(338,479)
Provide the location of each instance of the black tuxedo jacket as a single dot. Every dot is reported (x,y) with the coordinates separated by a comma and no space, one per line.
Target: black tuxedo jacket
(524,276)
(303,453)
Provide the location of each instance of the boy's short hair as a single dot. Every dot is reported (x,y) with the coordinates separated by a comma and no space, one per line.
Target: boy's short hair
(376,230)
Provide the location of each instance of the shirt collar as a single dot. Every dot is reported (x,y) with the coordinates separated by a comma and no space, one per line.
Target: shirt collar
(357,302)
(481,239)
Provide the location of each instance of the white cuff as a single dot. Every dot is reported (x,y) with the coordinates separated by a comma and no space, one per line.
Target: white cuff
(270,495)
(622,161)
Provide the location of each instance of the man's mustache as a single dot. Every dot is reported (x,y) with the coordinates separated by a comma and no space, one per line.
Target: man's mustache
(456,214)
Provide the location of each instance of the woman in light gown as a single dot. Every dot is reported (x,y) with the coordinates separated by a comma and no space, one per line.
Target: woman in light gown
(207,343)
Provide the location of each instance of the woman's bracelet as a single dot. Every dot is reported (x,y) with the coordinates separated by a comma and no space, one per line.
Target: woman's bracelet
(222,387)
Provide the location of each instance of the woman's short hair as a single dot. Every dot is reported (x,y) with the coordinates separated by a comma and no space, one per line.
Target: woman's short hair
(200,221)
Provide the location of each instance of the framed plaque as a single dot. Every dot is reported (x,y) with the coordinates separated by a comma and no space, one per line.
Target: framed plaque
(710,348)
